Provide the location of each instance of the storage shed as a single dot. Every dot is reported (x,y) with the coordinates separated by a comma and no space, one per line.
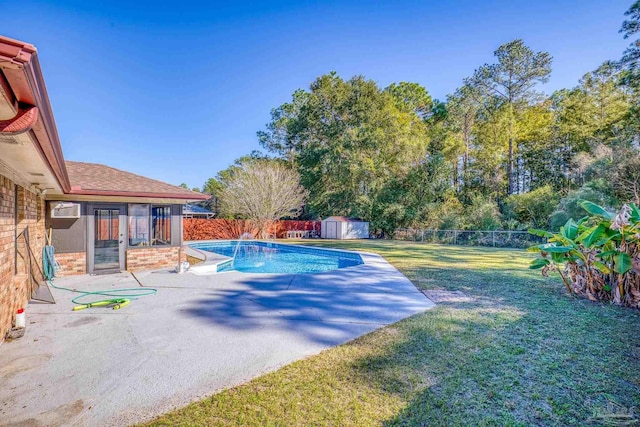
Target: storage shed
(341,227)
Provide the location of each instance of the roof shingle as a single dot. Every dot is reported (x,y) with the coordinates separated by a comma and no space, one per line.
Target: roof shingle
(94,178)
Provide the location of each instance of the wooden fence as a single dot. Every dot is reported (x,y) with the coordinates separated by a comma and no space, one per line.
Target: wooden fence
(211,229)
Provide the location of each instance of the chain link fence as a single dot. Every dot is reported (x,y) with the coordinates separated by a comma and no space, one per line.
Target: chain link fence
(495,238)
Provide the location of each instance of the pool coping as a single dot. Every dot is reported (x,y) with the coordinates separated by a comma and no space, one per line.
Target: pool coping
(212,260)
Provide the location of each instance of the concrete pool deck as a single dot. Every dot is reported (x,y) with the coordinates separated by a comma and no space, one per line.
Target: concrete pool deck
(199,334)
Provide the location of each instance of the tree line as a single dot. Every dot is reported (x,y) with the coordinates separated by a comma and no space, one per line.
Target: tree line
(496,153)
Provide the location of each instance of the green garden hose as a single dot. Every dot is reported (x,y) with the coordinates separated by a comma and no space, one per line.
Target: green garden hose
(117,304)
(122,297)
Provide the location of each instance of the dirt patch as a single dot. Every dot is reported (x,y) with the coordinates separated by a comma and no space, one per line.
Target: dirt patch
(84,320)
(61,415)
(22,364)
(440,296)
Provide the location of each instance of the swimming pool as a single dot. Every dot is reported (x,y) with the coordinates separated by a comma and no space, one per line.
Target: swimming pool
(269,257)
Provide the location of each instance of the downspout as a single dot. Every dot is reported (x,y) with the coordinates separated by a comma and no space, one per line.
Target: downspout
(22,122)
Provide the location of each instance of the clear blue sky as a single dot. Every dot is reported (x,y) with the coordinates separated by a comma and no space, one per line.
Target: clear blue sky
(177,90)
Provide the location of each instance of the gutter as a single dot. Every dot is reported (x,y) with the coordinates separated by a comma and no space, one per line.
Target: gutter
(21,68)
(195,196)
(15,52)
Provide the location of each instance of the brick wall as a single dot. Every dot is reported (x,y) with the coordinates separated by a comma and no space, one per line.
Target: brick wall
(19,267)
(7,230)
(71,263)
(138,259)
(150,258)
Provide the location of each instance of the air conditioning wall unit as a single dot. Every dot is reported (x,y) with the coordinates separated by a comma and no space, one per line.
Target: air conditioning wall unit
(65,210)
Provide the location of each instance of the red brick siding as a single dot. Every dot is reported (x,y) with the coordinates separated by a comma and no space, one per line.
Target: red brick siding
(8,292)
(148,258)
(71,263)
(16,280)
(153,258)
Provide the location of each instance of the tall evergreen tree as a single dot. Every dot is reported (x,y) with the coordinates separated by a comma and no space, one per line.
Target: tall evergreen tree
(510,85)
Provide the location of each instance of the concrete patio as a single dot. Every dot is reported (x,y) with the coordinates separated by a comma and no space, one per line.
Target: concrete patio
(197,335)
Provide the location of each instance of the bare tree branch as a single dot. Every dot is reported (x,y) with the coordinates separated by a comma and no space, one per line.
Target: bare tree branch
(264,191)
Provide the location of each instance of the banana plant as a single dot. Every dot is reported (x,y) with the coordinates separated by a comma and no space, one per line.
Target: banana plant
(560,249)
(598,250)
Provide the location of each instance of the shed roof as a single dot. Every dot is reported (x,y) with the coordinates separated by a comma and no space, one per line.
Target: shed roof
(343,219)
(102,180)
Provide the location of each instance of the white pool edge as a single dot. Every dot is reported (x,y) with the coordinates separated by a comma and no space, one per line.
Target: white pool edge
(212,260)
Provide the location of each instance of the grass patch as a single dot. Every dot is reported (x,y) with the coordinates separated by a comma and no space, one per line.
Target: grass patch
(517,352)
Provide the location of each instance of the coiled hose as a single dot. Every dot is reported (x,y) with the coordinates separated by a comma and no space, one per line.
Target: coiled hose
(50,266)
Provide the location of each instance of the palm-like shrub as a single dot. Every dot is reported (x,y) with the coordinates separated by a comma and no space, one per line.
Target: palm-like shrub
(597,256)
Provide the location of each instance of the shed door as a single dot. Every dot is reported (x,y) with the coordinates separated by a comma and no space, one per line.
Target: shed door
(332,230)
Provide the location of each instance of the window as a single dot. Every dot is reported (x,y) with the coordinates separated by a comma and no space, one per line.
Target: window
(106,224)
(138,225)
(149,225)
(161,225)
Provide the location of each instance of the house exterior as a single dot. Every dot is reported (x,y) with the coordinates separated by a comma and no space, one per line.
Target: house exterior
(341,227)
(195,211)
(100,219)
(114,220)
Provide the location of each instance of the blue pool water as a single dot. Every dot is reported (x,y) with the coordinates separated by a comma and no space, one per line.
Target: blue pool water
(267,257)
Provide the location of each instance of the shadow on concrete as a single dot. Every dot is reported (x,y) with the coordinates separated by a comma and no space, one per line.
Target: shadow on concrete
(327,309)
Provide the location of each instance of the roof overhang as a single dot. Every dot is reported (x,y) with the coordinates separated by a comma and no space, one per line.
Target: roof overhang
(29,142)
(194,198)
(124,198)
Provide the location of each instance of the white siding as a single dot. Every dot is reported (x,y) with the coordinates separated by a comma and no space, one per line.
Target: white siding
(333,228)
(355,230)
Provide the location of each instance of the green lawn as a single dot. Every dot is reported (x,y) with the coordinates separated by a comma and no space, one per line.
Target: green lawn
(518,351)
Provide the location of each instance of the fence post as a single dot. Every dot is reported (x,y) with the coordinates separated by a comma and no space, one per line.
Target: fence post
(493,238)
(422,239)
(455,237)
